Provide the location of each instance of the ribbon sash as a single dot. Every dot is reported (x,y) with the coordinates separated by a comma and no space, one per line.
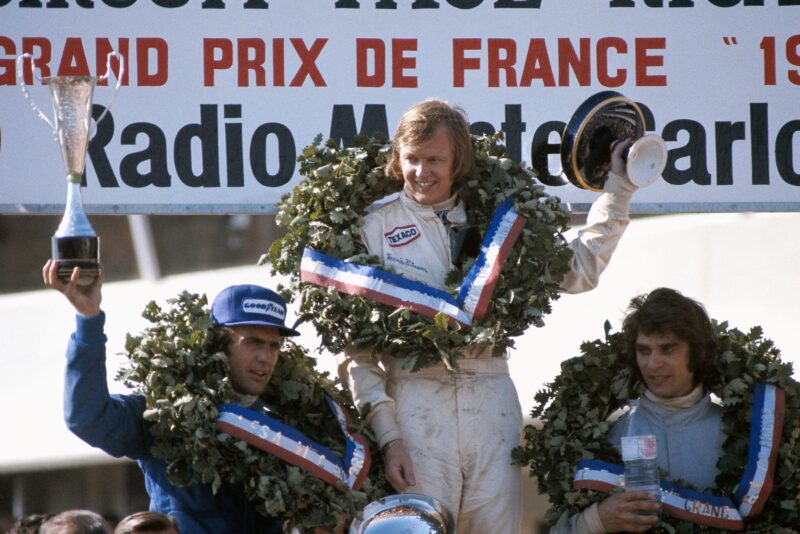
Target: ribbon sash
(292,446)
(394,290)
(703,508)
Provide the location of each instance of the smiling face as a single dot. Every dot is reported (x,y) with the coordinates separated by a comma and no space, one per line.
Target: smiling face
(428,168)
(252,355)
(663,360)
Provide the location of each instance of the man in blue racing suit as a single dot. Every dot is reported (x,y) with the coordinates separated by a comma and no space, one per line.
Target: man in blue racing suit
(253,321)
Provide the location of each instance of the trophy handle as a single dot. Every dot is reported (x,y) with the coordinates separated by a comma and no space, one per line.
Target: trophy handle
(28,97)
(116,88)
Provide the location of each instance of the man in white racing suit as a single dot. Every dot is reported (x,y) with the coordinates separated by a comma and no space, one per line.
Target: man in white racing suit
(443,433)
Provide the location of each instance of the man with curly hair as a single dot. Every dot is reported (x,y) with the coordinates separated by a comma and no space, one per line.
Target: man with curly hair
(251,319)
(443,433)
(671,349)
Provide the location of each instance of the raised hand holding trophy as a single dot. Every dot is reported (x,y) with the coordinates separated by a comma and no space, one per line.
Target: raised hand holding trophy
(75,243)
(589,137)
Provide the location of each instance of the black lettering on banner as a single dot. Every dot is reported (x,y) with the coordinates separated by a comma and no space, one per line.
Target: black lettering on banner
(691,3)
(433,4)
(726,133)
(465,4)
(170,3)
(481,128)
(97,148)
(513,127)
(155,153)
(542,148)
(343,123)
(530,4)
(784,152)
(233,145)
(286,154)
(206,131)
(759,144)
(119,3)
(695,150)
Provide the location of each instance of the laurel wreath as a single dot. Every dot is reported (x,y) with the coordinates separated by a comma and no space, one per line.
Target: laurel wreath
(574,409)
(325,212)
(178,364)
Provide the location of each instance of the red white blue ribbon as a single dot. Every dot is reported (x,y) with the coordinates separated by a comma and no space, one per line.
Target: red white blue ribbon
(762,452)
(393,290)
(477,288)
(679,502)
(378,285)
(290,445)
(703,508)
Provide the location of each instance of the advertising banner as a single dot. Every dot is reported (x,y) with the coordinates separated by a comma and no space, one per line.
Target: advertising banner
(219,97)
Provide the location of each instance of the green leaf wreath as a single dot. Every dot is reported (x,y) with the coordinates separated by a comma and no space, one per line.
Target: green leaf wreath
(325,211)
(178,364)
(574,409)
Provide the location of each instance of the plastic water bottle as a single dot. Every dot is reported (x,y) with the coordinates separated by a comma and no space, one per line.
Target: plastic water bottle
(639,452)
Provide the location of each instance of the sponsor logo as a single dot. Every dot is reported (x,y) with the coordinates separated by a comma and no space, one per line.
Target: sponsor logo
(264,307)
(402,235)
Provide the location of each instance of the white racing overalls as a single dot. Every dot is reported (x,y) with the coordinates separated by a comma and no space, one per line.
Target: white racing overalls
(460,427)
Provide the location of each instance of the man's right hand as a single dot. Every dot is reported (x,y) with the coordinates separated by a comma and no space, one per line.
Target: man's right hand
(399,468)
(618,512)
(85,299)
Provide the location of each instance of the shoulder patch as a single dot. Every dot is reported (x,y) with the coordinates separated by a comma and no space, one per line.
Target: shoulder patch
(402,235)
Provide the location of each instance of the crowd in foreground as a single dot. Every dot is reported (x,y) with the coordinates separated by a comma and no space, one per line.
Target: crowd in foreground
(88,522)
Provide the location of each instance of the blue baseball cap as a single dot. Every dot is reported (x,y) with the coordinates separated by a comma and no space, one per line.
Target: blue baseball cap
(249,304)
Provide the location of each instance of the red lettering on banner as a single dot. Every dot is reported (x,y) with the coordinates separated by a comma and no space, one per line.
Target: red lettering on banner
(644,61)
(537,65)
(151,61)
(251,62)
(7,65)
(376,49)
(308,58)
(251,56)
(217,55)
(603,46)
(401,63)
(104,47)
(73,60)
(505,64)
(502,56)
(462,63)
(148,48)
(578,63)
(373,73)
(278,63)
(30,45)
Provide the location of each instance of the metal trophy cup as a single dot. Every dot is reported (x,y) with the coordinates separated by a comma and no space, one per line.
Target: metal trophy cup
(75,243)
(407,513)
(589,137)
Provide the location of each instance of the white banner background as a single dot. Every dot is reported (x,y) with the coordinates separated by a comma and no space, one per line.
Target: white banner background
(721,82)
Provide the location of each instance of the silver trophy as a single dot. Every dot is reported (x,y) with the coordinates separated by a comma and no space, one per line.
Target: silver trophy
(75,243)
(405,513)
(589,138)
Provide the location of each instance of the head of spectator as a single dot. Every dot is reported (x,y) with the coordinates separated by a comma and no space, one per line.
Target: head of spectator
(74,522)
(28,524)
(670,343)
(149,522)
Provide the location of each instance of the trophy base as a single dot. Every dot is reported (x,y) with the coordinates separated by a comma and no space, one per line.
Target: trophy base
(77,251)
